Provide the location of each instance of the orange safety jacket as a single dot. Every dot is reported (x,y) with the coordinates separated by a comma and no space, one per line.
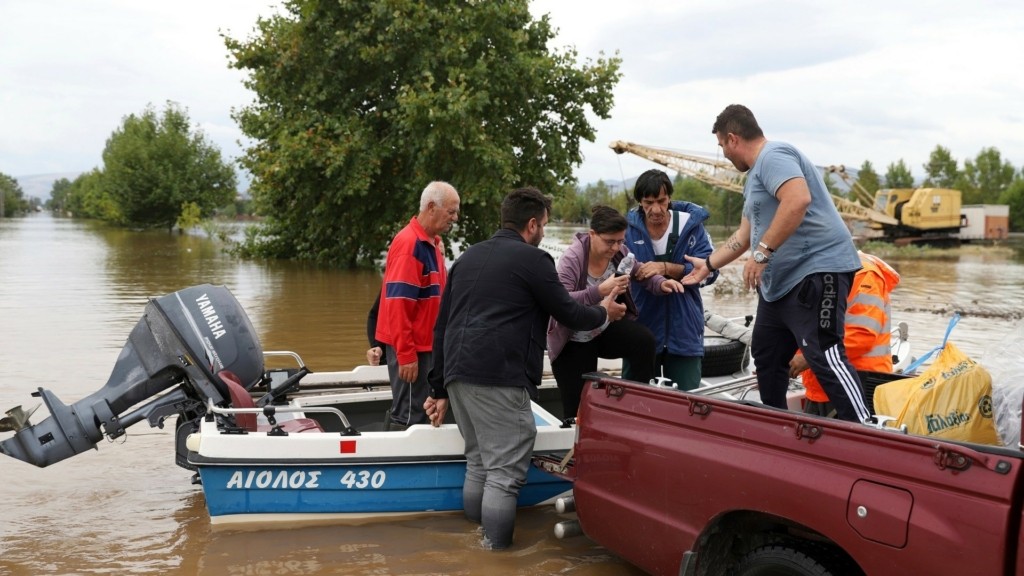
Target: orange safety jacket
(868,336)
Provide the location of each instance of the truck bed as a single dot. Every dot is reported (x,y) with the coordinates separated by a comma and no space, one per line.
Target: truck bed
(679,483)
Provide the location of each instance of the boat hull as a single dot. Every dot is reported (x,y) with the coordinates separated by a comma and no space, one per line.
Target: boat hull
(354,491)
(262,477)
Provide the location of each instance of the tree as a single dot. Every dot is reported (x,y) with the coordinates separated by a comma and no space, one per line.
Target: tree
(941,170)
(897,175)
(155,165)
(1014,197)
(361,103)
(87,198)
(830,184)
(12,197)
(59,195)
(574,205)
(988,177)
(868,178)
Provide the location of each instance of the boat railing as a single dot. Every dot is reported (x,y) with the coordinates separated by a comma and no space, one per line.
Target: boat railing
(729,386)
(271,412)
(293,355)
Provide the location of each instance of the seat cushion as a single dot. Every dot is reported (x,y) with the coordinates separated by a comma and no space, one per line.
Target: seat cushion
(240,398)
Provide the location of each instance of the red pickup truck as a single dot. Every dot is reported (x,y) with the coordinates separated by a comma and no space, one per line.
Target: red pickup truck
(682,483)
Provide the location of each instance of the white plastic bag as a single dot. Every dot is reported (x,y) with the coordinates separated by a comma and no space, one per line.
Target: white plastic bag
(1005,362)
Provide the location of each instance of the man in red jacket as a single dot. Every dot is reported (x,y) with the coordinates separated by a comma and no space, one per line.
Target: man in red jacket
(414,278)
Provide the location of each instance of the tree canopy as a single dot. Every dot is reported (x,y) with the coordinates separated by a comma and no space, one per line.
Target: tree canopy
(158,171)
(898,175)
(361,103)
(868,178)
(12,197)
(156,167)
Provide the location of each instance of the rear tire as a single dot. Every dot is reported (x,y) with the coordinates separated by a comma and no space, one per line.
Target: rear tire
(722,356)
(796,558)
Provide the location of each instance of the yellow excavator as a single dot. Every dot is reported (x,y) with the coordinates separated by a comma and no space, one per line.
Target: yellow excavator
(930,215)
(923,215)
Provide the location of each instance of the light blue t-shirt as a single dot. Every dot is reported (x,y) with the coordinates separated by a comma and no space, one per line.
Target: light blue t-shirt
(822,242)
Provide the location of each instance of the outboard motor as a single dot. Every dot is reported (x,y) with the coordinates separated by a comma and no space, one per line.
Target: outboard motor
(175,351)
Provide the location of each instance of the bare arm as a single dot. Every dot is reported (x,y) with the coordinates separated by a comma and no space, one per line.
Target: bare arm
(794,197)
(731,249)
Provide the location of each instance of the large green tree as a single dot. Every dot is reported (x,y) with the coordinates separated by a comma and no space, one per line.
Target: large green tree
(360,103)
(12,197)
(868,178)
(87,198)
(986,177)
(897,175)
(59,195)
(156,166)
(941,170)
(12,200)
(1014,197)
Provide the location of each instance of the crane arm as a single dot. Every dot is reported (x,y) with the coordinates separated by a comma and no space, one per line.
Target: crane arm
(722,174)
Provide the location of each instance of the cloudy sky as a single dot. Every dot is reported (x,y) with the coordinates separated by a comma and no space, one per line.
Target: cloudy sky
(846,82)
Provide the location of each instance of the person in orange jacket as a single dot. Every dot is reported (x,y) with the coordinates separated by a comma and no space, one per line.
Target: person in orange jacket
(868,332)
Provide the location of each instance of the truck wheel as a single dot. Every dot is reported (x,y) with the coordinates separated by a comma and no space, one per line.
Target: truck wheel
(722,356)
(796,558)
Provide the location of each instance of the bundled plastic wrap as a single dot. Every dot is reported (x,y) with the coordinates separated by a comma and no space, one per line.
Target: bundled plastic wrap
(1005,363)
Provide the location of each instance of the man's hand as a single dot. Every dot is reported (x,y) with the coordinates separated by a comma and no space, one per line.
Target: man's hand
(409,372)
(373,356)
(615,310)
(698,273)
(436,409)
(797,365)
(752,274)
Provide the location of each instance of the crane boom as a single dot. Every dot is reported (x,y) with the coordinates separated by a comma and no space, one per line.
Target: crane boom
(857,190)
(722,174)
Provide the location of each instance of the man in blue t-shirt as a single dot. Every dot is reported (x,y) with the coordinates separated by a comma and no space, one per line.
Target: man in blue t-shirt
(802,264)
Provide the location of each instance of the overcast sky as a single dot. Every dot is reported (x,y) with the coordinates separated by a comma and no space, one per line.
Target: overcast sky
(845,82)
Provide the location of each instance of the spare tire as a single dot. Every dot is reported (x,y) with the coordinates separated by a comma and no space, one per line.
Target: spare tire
(722,356)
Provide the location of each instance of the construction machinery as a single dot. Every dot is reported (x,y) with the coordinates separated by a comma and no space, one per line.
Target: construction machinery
(922,215)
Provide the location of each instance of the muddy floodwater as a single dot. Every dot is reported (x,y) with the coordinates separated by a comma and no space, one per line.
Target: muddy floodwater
(70,292)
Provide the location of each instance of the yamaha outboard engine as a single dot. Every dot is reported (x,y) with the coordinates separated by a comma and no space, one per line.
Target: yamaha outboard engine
(175,351)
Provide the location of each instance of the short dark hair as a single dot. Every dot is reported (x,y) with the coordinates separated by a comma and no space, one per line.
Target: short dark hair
(523,204)
(605,219)
(650,183)
(739,120)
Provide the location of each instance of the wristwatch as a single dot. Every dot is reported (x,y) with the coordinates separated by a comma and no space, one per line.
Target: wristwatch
(761,257)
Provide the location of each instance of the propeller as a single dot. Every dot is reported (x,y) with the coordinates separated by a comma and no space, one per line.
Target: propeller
(16,419)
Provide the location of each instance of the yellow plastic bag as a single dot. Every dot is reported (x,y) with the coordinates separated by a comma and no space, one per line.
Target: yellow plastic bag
(951,399)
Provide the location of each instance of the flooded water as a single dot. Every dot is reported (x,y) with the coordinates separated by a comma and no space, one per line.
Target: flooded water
(71,292)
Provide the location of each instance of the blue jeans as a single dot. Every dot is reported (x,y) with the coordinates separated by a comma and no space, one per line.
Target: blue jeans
(497,425)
